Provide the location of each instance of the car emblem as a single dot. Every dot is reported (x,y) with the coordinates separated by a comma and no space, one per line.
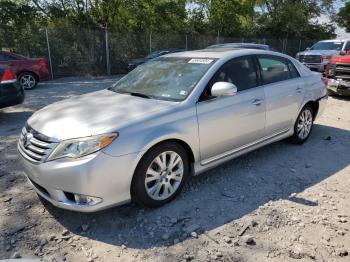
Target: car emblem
(26,139)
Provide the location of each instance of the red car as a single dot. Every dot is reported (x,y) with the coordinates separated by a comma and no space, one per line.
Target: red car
(28,71)
(338,74)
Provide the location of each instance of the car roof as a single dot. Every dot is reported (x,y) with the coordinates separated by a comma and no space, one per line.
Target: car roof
(218,53)
(239,44)
(336,40)
(12,54)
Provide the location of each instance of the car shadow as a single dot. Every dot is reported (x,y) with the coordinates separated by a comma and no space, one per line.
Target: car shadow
(339,97)
(221,195)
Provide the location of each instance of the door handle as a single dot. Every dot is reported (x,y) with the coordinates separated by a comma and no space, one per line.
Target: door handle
(257,102)
(299,90)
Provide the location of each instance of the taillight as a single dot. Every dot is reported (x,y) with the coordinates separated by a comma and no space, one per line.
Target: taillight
(325,80)
(42,62)
(8,77)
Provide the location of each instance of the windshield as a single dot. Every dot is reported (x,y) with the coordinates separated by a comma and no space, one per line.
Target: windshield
(328,46)
(164,78)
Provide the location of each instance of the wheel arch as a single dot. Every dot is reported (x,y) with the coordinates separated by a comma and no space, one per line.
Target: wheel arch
(28,71)
(178,141)
(314,105)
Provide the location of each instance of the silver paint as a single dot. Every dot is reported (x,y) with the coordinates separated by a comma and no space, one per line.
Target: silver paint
(215,130)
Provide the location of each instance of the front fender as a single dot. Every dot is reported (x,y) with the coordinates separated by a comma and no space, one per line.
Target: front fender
(139,138)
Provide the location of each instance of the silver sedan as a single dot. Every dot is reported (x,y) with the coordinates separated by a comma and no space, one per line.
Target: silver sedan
(173,117)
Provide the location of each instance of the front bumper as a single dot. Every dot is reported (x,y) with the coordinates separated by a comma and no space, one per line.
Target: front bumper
(339,87)
(317,67)
(98,175)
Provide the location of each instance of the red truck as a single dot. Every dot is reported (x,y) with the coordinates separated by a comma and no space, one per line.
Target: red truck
(338,74)
(28,71)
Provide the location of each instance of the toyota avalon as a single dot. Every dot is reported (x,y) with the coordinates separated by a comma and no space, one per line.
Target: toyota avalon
(175,116)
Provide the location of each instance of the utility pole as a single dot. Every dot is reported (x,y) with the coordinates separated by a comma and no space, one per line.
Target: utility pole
(49,52)
(107,52)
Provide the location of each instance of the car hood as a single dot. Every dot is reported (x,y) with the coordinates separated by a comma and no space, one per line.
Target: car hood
(341,59)
(94,113)
(320,52)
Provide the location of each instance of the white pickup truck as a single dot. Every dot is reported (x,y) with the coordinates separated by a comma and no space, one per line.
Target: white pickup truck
(317,57)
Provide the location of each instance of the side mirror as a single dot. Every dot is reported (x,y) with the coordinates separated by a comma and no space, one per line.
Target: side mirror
(223,89)
(343,52)
(308,49)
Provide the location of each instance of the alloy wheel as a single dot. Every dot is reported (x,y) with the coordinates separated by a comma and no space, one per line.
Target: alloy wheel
(304,124)
(164,175)
(27,81)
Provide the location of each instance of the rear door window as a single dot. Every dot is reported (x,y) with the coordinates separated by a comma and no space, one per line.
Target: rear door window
(276,69)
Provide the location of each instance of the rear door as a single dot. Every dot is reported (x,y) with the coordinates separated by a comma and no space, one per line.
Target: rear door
(228,123)
(284,92)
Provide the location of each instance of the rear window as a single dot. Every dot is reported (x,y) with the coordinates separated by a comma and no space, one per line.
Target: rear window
(4,57)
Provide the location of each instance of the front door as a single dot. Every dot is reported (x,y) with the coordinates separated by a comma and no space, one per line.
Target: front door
(228,123)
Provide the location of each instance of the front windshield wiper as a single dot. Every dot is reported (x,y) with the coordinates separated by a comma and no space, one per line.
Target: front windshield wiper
(140,95)
(132,93)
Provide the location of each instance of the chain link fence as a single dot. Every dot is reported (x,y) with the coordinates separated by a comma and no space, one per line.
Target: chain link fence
(76,51)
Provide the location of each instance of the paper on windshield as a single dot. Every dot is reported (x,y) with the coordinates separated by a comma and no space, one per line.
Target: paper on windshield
(200,61)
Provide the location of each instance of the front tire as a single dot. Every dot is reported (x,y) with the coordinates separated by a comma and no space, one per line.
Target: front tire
(303,125)
(160,175)
(28,80)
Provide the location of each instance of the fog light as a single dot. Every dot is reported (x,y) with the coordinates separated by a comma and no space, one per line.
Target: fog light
(86,200)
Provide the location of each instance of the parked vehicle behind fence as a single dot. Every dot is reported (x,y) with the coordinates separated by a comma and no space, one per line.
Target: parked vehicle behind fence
(139,61)
(318,56)
(11,93)
(243,45)
(338,74)
(29,71)
(172,117)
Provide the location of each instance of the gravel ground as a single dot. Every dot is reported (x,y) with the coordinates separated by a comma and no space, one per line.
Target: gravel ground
(280,203)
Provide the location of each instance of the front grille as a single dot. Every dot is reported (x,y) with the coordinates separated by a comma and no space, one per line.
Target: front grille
(312,59)
(342,71)
(33,146)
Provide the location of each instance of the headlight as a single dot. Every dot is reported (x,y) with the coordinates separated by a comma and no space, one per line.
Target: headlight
(331,69)
(75,148)
(326,58)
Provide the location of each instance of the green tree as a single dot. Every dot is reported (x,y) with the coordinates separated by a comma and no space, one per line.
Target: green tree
(343,17)
(294,18)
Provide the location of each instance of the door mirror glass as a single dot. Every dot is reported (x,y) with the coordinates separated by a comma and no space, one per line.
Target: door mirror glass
(343,52)
(223,89)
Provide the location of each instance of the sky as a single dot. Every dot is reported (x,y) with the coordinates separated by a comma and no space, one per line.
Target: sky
(325,19)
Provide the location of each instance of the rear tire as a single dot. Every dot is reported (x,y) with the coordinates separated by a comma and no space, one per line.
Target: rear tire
(28,80)
(160,175)
(303,125)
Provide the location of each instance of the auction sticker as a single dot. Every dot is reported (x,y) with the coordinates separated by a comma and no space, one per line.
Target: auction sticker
(200,61)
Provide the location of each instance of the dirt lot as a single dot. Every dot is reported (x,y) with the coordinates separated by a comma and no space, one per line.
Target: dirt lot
(280,203)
